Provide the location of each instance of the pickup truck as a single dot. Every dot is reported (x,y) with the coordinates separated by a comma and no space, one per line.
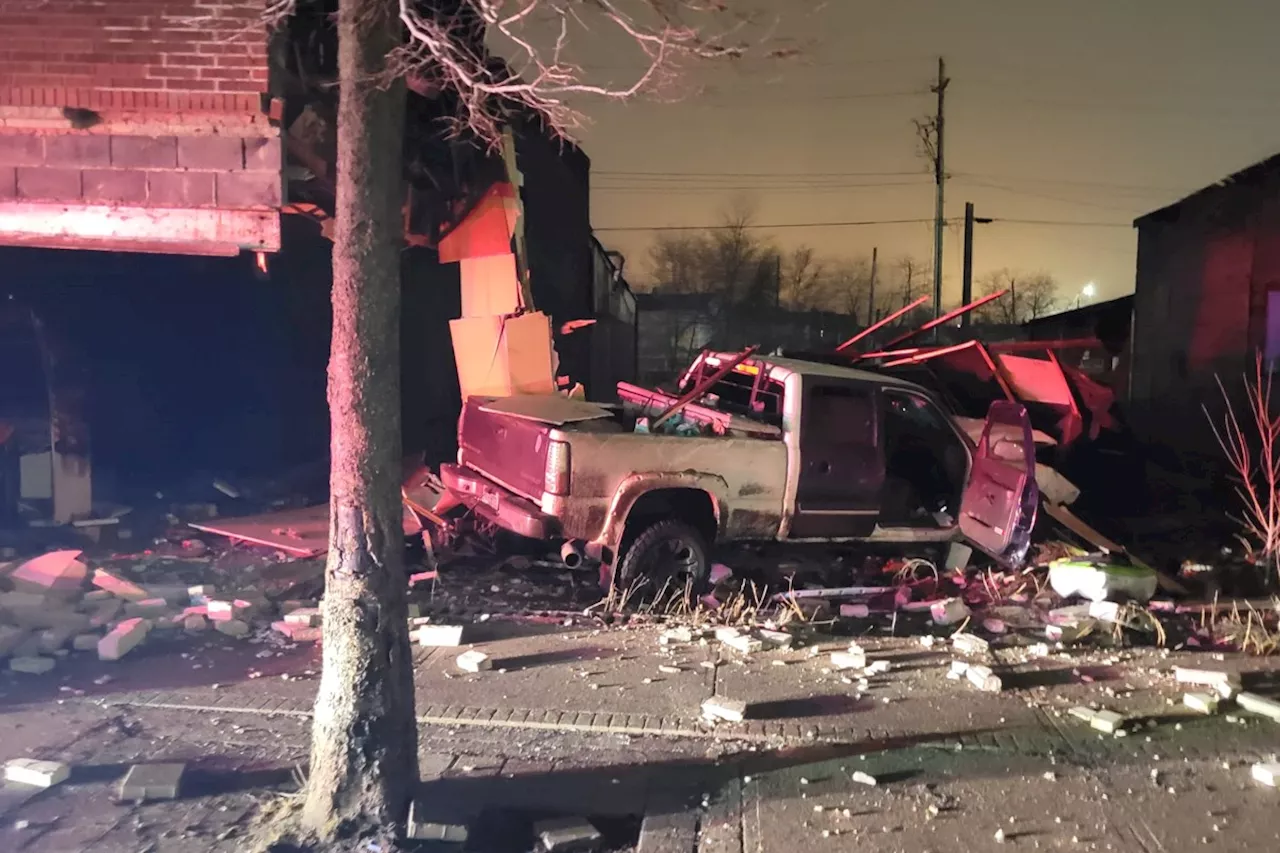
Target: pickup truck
(756,449)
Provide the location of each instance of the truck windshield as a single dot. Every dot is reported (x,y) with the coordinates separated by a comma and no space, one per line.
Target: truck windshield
(741,394)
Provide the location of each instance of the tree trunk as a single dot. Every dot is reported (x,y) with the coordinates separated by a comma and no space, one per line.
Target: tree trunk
(364,737)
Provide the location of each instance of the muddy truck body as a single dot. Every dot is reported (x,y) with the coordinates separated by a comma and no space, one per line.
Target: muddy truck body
(758,449)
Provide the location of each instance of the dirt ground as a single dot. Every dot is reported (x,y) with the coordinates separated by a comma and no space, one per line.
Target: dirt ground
(578,718)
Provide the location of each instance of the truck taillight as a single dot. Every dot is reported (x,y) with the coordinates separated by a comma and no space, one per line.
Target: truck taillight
(556,480)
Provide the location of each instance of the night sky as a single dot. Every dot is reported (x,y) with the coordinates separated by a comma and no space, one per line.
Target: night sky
(1094,111)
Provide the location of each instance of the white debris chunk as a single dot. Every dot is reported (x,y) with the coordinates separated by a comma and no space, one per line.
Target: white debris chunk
(232,627)
(219,610)
(1267,774)
(959,668)
(201,593)
(32,665)
(849,660)
(1226,684)
(1205,703)
(1259,705)
(969,644)
(726,632)
(121,639)
(148,608)
(30,771)
(720,708)
(309,616)
(879,667)
(949,611)
(119,587)
(195,623)
(474,661)
(1102,720)
(984,679)
(776,639)
(438,635)
(744,643)
(85,642)
(570,834)
(864,778)
(679,634)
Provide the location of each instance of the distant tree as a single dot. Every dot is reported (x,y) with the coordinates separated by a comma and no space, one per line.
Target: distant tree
(1030,295)
(805,280)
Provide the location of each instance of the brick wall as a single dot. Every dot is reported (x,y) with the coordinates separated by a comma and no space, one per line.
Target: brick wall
(162,55)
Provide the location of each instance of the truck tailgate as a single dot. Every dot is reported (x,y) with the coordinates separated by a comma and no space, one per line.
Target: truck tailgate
(509,450)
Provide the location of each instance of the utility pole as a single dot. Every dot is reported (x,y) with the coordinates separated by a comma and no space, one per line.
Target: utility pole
(939,178)
(871,293)
(966,281)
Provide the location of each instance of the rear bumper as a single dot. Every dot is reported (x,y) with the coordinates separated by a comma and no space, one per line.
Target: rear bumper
(501,506)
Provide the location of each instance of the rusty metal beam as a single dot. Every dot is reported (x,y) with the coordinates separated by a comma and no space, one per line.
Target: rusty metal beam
(947,318)
(880,324)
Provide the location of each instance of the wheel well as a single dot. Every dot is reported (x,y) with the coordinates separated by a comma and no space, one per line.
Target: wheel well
(690,505)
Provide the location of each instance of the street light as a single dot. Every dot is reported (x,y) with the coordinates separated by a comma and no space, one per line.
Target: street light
(1087,292)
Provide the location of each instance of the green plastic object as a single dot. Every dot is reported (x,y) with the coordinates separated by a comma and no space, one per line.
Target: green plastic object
(1102,580)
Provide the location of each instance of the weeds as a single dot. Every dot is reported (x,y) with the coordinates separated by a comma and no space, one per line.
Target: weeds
(1251,444)
(1252,631)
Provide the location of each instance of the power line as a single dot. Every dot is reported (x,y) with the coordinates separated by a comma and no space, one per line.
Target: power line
(765,226)
(683,189)
(1062,223)
(815,175)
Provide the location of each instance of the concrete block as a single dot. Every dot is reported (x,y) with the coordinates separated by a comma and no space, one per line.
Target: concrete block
(879,667)
(21,149)
(1266,773)
(105,613)
(232,627)
(744,643)
(720,708)
(309,616)
(474,661)
(195,623)
(1259,705)
(57,571)
(148,608)
(1225,684)
(121,639)
(85,642)
(95,596)
(10,638)
(180,189)
(727,632)
(970,644)
(211,153)
(248,190)
(160,781)
(32,665)
(422,829)
(776,639)
(219,610)
(150,152)
(297,631)
(114,186)
(1205,703)
(30,771)
(958,556)
(119,587)
(439,635)
(1103,720)
(70,149)
(52,639)
(984,679)
(567,834)
(679,634)
(849,660)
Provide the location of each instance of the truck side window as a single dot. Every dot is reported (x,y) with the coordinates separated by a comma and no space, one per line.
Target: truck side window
(840,414)
(733,394)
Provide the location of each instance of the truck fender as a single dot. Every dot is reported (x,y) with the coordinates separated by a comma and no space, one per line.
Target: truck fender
(637,485)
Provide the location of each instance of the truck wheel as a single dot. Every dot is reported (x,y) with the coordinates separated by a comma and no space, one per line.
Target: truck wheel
(669,553)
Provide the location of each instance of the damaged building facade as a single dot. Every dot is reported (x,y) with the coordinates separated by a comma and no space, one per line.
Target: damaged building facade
(192,152)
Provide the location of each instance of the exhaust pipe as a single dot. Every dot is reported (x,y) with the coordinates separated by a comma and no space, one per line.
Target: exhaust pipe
(571,554)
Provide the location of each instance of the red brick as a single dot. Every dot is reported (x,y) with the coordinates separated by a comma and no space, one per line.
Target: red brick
(77,150)
(263,154)
(21,149)
(8,182)
(244,190)
(219,153)
(180,189)
(148,152)
(115,185)
(45,184)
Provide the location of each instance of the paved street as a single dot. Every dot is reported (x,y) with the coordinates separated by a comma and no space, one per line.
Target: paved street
(583,722)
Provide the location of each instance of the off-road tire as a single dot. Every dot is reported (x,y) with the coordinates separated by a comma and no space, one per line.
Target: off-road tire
(687,548)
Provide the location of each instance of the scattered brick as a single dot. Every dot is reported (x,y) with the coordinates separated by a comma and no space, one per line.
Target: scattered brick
(121,639)
(144,782)
(567,834)
(720,708)
(474,661)
(32,665)
(232,627)
(119,587)
(31,771)
(439,635)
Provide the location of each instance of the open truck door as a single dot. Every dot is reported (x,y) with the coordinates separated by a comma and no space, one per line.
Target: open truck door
(999,505)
